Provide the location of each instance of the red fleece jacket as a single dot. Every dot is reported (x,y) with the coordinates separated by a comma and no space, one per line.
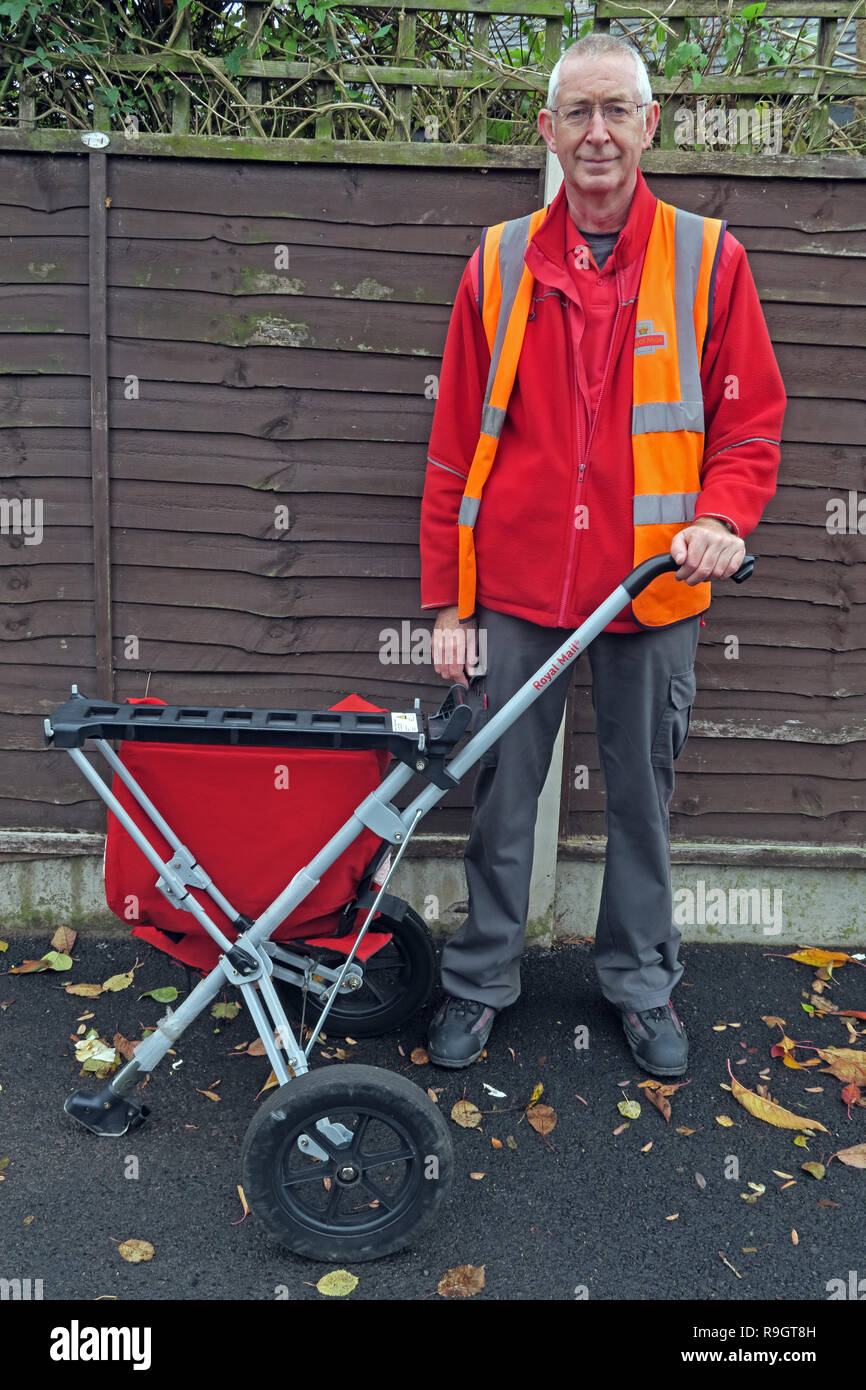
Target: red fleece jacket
(566,442)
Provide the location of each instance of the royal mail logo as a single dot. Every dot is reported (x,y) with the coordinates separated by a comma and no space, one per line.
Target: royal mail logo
(646,340)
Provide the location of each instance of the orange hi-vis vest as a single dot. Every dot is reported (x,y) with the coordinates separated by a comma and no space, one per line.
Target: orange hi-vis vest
(667,401)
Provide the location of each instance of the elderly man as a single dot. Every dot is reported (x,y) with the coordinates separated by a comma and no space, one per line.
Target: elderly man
(609,376)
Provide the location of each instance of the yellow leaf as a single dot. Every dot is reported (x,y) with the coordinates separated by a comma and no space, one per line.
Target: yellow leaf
(244,1203)
(629,1108)
(542,1118)
(433,1096)
(675,1217)
(496,1143)
(795,1239)
(476,1175)
(465,1114)
(462,1282)
(845,1063)
(682,1129)
(211,1095)
(768,1111)
(792,1183)
(118,982)
(536,1093)
(816,1169)
(86,991)
(338,1283)
(725,1121)
(646,1148)
(782,1175)
(135,1251)
(812,955)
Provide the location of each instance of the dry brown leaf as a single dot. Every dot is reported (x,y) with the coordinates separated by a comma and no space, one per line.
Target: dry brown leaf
(466,1115)
(211,1095)
(772,1021)
(462,1282)
(64,939)
(661,1103)
(476,1175)
(433,1096)
(123,1046)
(769,1111)
(619,1129)
(646,1148)
(845,1063)
(681,1129)
(855,1157)
(795,1239)
(419,1057)
(542,1118)
(496,1143)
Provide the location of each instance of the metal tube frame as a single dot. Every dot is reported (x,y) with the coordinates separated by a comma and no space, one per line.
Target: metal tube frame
(264,1004)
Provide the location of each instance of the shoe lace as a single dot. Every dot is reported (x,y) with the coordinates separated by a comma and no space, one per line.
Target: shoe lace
(464,1006)
(657,1014)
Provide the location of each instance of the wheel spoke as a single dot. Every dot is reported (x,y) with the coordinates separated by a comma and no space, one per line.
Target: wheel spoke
(358,1136)
(373,990)
(333,1200)
(314,1173)
(379,1160)
(374,1192)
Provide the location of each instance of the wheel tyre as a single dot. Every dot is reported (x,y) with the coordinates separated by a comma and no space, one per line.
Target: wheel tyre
(418,956)
(295,1108)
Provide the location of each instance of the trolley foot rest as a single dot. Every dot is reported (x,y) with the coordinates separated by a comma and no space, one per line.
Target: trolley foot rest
(105,1112)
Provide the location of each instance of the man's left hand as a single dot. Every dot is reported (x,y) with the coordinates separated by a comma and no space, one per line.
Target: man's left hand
(707,550)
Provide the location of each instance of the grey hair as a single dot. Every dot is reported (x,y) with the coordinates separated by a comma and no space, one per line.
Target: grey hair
(601,46)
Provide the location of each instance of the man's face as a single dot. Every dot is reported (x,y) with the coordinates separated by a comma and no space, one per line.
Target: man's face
(598,160)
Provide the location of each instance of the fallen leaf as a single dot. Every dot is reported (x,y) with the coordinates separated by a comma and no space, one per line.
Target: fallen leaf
(845,1063)
(851,1096)
(700,1180)
(816,1169)
(855,1157)
(496,1143)
(646,1148)
(476,1175)
(86,991)
(166,994)
(813,955)
(338,1283)
(419,1057)
(629,1108)
(64,939)
(465,1114)
(118,982)
(537,1091)
(245,1204)
(772,1021)
(29,967)
(768,1110)
(801,1142)
(619,1129)
(782,1175)
(464,1281)
(123,1046)
(792,1183)
(681,1129)
(211,1095)
(433,1096)
(226,1011)
(675,1217)
(542,1118)
(661,1103)
(820,1203)
(795,1239)
(135,1251)
(511,1141)
(725,1121)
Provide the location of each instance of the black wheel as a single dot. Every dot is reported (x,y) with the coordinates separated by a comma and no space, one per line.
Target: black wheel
(398,980)
(363,1189)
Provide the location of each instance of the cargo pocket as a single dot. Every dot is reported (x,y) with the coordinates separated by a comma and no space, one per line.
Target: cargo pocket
(672,732)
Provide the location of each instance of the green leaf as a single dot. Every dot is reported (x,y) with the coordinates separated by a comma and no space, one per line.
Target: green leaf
(629,1108)
(801,1141)
(58,960)
(165,995)
(753,11)
(225,1011)
(234,59)
(13,10)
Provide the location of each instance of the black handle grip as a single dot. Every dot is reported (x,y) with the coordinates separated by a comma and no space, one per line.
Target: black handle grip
(645,573)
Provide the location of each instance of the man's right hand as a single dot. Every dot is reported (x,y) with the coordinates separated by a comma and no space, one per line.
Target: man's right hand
(452,644)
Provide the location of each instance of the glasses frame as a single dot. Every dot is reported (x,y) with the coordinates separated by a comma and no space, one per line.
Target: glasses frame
(600,106)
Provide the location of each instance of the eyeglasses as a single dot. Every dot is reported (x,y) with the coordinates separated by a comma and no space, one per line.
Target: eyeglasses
(612,113)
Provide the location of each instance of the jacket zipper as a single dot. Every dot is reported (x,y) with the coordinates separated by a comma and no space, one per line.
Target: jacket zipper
(560,622)
(583,465)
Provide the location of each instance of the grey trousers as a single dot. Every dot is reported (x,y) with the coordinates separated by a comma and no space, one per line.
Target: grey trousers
(643,690)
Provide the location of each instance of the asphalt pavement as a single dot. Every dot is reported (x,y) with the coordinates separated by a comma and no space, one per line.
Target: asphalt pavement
(584,1213)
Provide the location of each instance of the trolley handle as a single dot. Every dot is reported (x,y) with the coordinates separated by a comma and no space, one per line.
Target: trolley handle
(645,573)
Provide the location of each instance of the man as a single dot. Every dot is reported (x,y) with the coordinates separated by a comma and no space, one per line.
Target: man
(601,456)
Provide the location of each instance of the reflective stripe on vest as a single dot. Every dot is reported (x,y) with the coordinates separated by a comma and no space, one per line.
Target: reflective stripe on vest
(667,409)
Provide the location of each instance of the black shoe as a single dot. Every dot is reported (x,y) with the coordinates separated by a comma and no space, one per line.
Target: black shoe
(657,1040)
(459,1032)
